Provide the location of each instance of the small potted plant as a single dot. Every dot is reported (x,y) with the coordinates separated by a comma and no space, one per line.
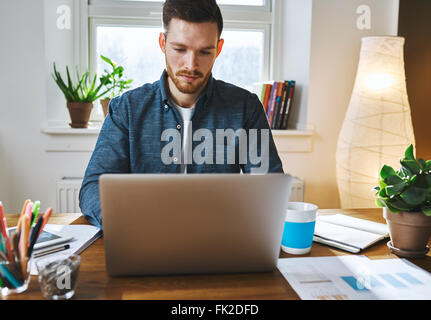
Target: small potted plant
(405,196)
(115,81)
(79,96)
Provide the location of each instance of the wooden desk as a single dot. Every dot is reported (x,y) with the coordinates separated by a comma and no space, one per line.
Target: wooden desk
(94,282)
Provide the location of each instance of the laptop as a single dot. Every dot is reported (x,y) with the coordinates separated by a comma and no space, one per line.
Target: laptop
(164,224)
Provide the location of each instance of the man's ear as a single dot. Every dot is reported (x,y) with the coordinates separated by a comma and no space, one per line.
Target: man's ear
(219,46)
(162,42)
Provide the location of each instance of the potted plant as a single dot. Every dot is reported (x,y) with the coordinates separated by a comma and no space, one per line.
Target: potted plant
(80,96)
(114,81)
(405,196)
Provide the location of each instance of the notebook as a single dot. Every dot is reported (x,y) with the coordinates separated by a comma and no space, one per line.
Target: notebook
(348,233)
(82,236)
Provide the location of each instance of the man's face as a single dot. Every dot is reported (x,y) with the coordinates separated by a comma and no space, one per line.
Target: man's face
(190,50)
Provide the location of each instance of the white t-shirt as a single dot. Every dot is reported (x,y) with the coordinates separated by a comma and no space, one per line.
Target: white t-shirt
(186,149)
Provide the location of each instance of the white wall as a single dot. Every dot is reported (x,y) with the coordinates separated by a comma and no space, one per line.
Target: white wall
(295,60)
(26,170)
(335,46)
(64,45)
(59,48)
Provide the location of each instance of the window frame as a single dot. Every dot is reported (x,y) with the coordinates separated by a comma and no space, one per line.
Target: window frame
(121,22)
(267,7)
(264,18)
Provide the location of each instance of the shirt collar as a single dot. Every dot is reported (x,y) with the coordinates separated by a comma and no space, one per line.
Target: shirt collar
(205,94)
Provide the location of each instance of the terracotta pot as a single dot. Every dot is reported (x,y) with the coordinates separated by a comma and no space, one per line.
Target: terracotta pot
(105,105)
(79,113)
(409,231)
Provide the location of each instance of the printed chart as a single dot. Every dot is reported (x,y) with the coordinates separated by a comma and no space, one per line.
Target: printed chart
(400,280)
(355,277)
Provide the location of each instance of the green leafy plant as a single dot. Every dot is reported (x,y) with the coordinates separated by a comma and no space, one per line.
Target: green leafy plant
(409,188)
(114,79)
(85,90)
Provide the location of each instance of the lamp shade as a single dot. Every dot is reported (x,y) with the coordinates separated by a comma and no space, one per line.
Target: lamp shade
(377,127)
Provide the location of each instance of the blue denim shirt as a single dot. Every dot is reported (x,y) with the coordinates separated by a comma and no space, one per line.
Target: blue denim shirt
(130,140)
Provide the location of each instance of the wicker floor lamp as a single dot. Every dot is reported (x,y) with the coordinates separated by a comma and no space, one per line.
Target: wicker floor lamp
(377,127)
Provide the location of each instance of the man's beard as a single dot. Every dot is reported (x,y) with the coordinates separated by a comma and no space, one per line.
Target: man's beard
(188,87)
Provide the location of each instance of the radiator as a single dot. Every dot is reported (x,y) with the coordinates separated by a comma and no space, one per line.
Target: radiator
(68,194)
(297,191)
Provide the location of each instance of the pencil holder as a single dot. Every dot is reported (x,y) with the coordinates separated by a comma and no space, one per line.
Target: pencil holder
(58,276)
(14,275)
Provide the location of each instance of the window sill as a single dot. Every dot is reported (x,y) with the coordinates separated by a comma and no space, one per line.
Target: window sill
(62,138)
(287,141)
(293,141)
(290,133)
(93,129)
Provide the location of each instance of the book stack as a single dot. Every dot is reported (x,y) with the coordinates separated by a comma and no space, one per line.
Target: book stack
(276,98)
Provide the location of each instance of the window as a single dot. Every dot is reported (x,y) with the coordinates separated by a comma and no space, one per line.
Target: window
(223,2)
(241,61)
(142,60)
(127,32)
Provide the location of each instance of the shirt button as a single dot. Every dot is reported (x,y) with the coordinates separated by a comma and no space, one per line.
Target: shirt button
(178,127)
(175,159)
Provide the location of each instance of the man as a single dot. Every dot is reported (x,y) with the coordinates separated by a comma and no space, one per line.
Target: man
(171,126)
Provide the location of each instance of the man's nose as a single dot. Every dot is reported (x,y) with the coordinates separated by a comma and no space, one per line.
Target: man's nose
(191,61)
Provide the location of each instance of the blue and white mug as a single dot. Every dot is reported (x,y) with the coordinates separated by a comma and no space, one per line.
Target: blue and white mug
(299,228)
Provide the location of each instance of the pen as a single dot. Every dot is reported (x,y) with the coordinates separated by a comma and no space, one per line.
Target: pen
(10,277)
(46,216)
(29,211)
(42,253)
(36,208)
(26,212)
(4,232)
(18,232)
(9,272)
(15,245)
(24,207)
(23,243)
(34,235)
(2,248)
(2,256)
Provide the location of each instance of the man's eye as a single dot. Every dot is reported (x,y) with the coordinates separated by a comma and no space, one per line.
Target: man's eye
(205,52)
(179,50)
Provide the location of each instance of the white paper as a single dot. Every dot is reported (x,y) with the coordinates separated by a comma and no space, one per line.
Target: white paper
(355,278)
(317,278)
(83,236)
(355,223)
(357,238)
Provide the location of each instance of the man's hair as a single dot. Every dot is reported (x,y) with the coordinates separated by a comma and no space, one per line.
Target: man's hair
(192,11)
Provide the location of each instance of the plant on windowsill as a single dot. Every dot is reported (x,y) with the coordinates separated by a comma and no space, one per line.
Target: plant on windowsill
(405,196)
(79,96)
(114,80)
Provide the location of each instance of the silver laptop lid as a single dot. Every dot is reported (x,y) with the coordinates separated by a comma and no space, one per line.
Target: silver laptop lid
(200,223)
